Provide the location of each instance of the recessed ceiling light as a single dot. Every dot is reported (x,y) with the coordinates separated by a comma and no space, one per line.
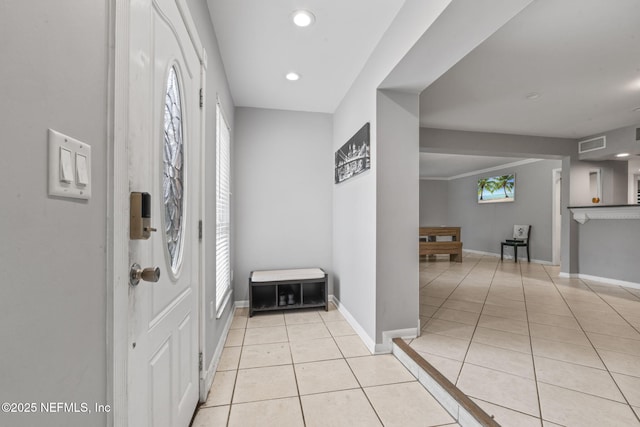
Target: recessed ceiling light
(532,96)
(622,155)
(303,18)
(292,76)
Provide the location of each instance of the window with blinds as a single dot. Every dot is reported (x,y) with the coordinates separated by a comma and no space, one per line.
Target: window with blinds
(223,219)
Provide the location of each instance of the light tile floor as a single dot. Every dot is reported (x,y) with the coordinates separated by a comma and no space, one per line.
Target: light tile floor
(309,368)
(529,347)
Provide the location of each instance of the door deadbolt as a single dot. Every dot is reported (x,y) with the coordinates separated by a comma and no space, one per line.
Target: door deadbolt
(137,273)
(140,216)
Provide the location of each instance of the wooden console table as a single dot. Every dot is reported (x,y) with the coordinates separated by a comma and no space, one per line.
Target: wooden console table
(429,245)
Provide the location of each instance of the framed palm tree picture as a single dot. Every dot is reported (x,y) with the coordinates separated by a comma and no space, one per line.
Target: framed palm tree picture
(497,189)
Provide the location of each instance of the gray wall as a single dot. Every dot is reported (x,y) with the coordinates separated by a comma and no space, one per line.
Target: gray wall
(283,173)
(619,182)
(575,182)
(609,248)
(52,258)
(397,262)
(633,171)
(484,226)
(605,248)
(613,177)
(434,208)
(355,220)
(619,140)
(216,85)
(496,144)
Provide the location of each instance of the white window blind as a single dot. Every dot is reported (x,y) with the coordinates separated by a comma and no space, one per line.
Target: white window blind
(223,217)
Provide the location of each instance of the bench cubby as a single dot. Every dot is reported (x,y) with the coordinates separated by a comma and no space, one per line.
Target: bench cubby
(274,290)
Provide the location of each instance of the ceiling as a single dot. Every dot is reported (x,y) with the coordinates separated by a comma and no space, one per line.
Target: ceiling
(582,58)
(259,44)
(579,58)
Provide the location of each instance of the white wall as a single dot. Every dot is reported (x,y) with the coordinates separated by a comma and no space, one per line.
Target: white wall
(52,258)
(283,173)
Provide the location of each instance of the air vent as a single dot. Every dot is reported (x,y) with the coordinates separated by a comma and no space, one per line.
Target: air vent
(637,134)
(592,144)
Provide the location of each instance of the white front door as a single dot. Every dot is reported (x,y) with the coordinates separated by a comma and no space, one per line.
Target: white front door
(164,144)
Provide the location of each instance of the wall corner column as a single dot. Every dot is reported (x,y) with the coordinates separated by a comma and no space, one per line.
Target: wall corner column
(397,209)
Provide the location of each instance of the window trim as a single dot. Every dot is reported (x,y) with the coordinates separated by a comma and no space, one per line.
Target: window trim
(224,296)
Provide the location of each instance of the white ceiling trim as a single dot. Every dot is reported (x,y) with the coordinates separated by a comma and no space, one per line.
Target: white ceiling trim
(434,178)
(477,172)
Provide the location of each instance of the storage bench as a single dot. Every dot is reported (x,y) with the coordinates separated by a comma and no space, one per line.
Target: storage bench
(272,290)
(429,245)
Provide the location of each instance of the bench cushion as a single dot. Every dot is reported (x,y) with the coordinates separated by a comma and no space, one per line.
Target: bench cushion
(283,275)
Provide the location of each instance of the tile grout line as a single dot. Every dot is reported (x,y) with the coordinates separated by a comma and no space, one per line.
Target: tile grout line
(235,379)
(461,400)
(530,287)
(505,407)
(293,368)
(354,375)
(430,281)
(594,348)
(533,359)
(613,308)
(605,365)
(484,303)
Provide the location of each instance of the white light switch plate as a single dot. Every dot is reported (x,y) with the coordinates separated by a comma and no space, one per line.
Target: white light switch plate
(75,188)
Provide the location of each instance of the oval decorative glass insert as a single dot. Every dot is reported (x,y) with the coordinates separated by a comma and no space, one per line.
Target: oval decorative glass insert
(173,175)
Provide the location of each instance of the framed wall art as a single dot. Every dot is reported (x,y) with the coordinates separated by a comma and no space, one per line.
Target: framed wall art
(497,189)
(354,157)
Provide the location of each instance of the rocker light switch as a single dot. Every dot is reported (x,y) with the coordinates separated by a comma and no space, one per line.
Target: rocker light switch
(81,170)
(66,175)
(69,167)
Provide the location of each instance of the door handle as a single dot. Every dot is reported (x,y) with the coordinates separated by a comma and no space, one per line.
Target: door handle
(149,274)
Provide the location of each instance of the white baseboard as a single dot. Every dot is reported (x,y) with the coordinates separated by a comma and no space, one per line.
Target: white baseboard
(535,261)
(388,336)
(370,343)
(207,376)
(242,304)
(568,275)
(386,346)
(608,281)
(603,280)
